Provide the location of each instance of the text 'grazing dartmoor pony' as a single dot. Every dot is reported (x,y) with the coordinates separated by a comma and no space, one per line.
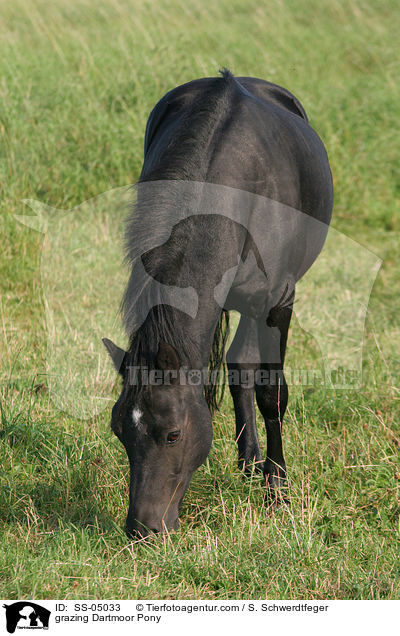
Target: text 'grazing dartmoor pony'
(233,206)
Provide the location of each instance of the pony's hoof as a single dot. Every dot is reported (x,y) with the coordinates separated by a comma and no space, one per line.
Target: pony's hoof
(251,467)
(277,488)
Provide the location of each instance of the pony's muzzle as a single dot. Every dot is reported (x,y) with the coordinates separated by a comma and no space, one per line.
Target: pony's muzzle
(141,530)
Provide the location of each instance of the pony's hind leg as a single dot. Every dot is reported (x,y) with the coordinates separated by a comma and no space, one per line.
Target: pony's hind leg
(272,395)
(242,364)
(272,401)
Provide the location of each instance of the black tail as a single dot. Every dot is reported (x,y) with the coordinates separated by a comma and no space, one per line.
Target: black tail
(214,389)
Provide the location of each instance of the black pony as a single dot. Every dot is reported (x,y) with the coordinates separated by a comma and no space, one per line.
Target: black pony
(233,206)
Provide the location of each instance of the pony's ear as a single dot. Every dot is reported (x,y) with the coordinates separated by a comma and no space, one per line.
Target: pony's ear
(118,355)
(167,358)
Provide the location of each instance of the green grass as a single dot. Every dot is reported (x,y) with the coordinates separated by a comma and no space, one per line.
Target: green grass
(77,83)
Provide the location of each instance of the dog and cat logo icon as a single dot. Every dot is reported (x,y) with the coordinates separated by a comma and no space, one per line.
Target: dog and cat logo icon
(26,615)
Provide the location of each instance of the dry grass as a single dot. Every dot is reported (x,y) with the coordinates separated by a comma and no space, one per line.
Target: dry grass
(72,120)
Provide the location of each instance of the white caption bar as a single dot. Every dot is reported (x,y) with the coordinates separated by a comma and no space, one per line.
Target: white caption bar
(88,617)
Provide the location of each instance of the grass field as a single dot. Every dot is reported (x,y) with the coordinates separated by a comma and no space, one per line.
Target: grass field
(77,82)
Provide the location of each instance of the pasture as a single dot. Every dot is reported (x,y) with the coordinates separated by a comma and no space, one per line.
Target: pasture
(77,83)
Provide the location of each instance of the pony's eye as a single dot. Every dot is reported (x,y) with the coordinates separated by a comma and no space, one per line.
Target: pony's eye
(173,437)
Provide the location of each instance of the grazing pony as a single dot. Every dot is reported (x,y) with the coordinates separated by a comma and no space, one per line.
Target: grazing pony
(233,206)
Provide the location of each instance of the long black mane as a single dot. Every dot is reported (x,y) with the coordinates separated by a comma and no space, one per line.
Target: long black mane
(163,323)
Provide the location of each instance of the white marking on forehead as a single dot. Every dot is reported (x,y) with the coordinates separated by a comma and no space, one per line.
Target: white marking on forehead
(137,416)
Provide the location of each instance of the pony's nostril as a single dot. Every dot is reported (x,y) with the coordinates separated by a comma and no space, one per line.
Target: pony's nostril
(137,534)
(140,530)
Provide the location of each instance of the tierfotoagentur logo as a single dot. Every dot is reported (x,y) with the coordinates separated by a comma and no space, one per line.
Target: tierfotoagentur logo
(83,281)
(26,615)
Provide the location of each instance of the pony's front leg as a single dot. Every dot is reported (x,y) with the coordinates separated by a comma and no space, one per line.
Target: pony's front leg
(241,370)
(242,392)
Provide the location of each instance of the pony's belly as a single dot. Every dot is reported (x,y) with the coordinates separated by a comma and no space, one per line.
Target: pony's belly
(248,303)
(249,293)
(254,293)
